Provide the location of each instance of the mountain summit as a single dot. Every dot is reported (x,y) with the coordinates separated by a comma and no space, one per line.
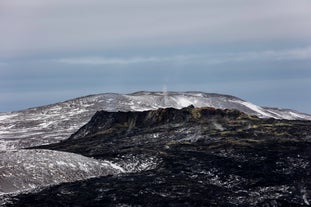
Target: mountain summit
(56,122)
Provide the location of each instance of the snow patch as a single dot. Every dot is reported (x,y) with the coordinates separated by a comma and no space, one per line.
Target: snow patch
(253,107)
(114,166)
(29,169)
(183,102)
(296,115)
(6,116)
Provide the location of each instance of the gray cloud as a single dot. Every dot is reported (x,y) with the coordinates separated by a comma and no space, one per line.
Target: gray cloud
(285,54)
(125,61)
(36,26)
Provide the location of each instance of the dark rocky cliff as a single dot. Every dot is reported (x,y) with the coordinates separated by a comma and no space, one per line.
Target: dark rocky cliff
(188,157)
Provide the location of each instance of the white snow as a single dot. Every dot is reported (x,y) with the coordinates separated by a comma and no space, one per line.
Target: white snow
(114,166)
(253,107)
(6,116)
(304,196)
(45,124)
(273,112)
(183,102)
(26,169)
(218,126)
(296,115)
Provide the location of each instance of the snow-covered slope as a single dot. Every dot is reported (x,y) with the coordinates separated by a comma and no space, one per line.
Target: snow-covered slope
(52,123)
(27,169)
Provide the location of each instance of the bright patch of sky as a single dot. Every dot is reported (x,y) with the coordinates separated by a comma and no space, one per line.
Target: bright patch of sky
(54,50)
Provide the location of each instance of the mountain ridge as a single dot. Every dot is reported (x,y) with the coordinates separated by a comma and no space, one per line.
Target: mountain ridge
(56,122)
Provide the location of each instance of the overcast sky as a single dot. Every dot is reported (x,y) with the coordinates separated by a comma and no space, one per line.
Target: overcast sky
(54,50)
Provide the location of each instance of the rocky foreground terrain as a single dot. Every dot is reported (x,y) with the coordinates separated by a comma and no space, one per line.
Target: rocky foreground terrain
(186,157)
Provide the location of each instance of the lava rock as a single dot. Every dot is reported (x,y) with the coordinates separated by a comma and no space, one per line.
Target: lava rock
(187,157)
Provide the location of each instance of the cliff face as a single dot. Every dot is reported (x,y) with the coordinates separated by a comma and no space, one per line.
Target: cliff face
(188,157)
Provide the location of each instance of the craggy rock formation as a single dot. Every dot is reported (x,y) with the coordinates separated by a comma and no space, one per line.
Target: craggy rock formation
(190,157)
